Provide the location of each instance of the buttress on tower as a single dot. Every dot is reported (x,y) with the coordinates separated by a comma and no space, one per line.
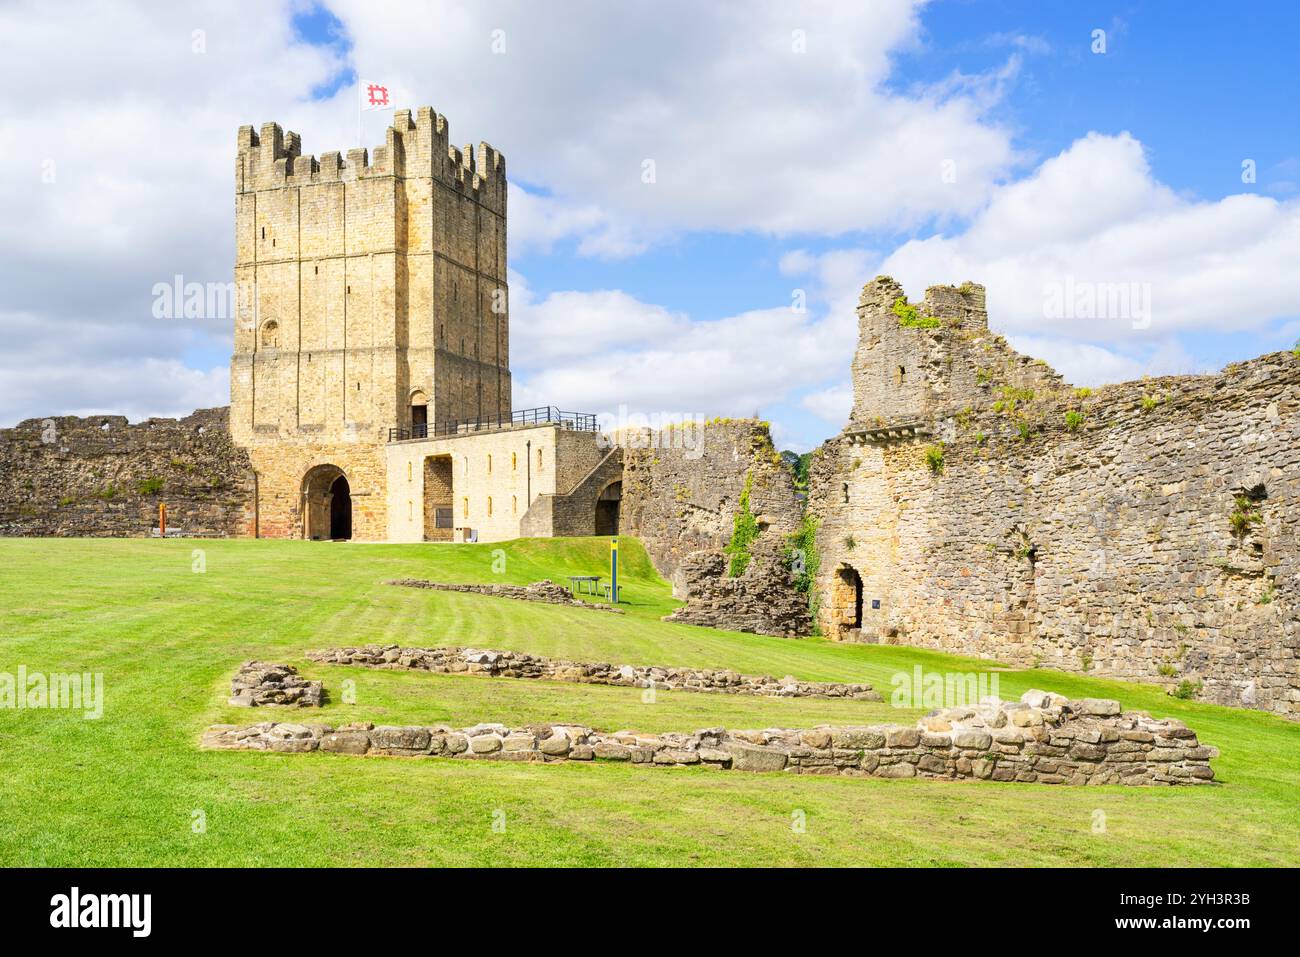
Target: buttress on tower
(372,295)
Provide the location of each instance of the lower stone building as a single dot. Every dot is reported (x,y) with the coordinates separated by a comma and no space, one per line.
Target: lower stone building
(558,476)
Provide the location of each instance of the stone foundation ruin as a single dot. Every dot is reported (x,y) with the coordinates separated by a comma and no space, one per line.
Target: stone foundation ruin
(1042,739)
(545,591)
(513,664)
(258,684)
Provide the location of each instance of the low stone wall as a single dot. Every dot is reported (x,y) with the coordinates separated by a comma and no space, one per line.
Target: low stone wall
(258,684)
(545,591)
(513,664)
(1043,739)
(761,601)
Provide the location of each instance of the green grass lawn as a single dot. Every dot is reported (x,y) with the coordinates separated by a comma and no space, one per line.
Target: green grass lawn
(124,790)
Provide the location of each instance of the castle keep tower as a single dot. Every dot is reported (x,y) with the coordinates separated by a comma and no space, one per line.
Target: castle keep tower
(372,296)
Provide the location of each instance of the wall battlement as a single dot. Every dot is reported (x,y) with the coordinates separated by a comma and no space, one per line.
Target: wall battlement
(415,146)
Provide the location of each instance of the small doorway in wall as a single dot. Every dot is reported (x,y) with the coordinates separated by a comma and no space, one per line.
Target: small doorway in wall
(439,499)
(846,601)
(326,504)
(340,510)
(607,504)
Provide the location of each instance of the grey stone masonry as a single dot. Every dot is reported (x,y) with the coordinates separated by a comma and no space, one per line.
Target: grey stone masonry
(258,684)
(102,476)
(760,601)
(978,505)
(1041,739)
(514,664)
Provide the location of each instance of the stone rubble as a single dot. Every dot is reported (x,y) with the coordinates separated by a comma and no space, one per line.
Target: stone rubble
(761,601)
(258,684)
(545,591)
(1042,739)
(513,664)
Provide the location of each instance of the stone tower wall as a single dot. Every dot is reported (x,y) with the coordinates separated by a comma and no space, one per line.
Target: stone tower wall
(366,282)
(905,374)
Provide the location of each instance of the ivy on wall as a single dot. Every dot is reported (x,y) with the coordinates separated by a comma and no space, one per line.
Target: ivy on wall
(744,531)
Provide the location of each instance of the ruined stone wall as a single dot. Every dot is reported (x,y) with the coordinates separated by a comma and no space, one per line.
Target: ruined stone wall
(102,476)
(1081,531)
(517,664)
(681,488)
(760,600)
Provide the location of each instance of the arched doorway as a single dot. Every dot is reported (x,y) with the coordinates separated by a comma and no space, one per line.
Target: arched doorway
(340,509)
(326,504)
(846,601)
(607,504)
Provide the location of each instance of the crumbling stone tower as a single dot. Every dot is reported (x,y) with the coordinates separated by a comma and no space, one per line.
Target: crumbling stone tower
(372,295)
(917,364)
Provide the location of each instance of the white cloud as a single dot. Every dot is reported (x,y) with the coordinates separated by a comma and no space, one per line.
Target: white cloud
(81,368)
(832,405)
(118,145)
(1083,363)
(604,349)
(745,133)
(582,325)
(1093,220)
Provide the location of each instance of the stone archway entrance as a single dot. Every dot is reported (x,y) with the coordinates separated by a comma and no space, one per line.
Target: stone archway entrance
(326,504)
(846,602)
(607,505)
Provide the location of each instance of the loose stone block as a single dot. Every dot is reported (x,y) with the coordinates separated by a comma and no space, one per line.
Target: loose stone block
(346,742)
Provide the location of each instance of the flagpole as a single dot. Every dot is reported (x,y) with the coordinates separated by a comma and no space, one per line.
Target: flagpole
(359,109)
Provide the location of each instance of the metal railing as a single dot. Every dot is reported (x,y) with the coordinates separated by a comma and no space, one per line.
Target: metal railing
(544,415)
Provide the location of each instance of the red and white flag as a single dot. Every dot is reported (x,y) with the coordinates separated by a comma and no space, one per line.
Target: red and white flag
(374,96)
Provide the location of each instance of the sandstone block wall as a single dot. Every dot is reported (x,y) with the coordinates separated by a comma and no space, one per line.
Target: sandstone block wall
(1105,542)
(371,273)
(369,284)
(488,480)
(575,512)
(1046,740)
(102,476)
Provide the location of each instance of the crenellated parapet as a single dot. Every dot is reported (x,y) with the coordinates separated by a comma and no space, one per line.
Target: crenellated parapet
(416,145)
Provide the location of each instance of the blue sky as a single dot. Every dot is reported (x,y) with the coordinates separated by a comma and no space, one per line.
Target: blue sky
(776,173)
(1200,87)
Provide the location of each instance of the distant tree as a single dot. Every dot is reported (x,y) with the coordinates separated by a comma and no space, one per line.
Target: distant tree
(798,464)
